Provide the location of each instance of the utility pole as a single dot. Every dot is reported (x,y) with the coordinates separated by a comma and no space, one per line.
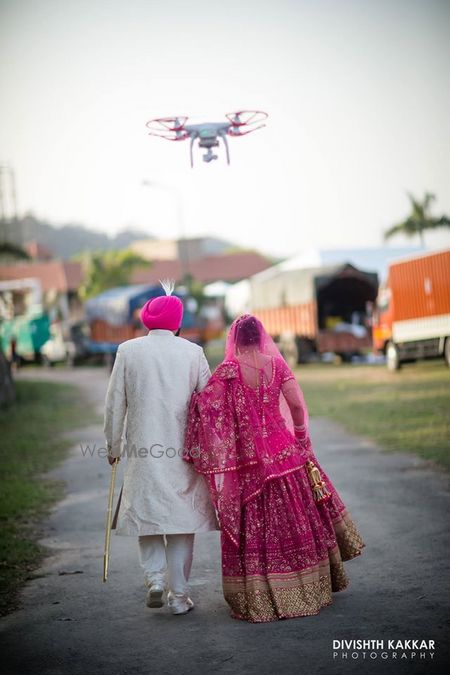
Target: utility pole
(8,204)
(2,204)
(12,174)
(2,207)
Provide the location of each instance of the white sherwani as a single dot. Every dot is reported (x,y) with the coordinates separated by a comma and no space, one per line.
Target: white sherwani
(145,418)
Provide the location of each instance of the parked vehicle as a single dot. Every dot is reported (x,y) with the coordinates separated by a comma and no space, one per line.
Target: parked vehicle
(30,329)
(113,317)
(28,333)
(412,316)
(69,343)
(318,310)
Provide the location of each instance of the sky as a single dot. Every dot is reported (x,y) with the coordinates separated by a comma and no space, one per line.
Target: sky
(356,91)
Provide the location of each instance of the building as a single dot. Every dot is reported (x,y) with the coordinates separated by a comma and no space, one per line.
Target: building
(228,268)
(186,250)
(38,251)
(374,259)
(155,249)
(56,281)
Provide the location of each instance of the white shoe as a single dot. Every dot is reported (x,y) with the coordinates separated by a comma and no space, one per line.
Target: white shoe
(179,604)
(155,596)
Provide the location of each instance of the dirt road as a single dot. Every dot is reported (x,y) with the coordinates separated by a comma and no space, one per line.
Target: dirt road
(70,623)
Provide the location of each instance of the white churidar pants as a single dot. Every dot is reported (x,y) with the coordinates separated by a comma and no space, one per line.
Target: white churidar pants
(173,557)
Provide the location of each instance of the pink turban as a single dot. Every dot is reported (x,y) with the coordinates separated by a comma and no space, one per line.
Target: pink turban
(164,312)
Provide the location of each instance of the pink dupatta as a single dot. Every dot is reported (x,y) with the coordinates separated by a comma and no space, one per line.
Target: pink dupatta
(226,440)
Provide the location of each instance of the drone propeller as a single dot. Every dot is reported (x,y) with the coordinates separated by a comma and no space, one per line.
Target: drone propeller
(168,123)
(236,131)
(246,117)
(170,128)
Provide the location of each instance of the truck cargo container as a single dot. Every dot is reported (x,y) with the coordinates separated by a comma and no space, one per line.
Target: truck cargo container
(412,316)
(316,310)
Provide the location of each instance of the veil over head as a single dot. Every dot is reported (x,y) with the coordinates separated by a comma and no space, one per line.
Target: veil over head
(247,336)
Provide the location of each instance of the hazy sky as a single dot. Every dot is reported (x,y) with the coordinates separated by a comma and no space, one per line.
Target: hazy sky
(357,93)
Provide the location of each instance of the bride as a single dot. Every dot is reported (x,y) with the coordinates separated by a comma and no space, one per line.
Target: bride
(285,532)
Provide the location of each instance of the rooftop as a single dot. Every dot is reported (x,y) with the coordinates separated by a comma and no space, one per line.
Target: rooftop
(206,270)
(58,275)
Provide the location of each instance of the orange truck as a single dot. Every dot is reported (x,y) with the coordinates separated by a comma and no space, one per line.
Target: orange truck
(412,315)
(317,310)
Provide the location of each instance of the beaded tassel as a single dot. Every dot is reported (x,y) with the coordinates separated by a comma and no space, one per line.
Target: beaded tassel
(320,490)
(265,399)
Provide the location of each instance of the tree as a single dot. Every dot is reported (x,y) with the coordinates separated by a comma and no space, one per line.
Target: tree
(11,252)
(107,269)
(7,389)
(419,219)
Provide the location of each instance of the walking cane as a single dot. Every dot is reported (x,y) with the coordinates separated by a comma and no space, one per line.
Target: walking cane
(109,520)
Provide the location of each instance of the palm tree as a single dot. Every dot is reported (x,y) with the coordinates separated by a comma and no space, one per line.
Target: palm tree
(107,269)
(419,219)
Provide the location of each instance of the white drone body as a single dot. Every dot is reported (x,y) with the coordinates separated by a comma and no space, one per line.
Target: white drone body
(209,134)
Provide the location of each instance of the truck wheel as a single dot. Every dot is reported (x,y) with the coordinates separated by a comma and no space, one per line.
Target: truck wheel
(447,351)
(393,357)
(70,360)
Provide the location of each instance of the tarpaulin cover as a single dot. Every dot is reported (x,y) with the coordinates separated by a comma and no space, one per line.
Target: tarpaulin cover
(116,305)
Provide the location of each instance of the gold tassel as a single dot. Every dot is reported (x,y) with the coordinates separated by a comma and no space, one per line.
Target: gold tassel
(319,488)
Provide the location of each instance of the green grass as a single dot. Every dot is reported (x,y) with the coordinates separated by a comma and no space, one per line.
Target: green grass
(31,444)
(404,411)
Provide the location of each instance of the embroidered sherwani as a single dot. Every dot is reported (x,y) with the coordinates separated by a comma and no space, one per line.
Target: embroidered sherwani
(145,419)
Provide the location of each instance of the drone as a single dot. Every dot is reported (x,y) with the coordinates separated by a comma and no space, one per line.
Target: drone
(209,134)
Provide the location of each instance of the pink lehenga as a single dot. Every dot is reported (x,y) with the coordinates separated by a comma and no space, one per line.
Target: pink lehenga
(285,532)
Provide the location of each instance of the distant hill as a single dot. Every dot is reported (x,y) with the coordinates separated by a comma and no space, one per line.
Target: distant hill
(67,240)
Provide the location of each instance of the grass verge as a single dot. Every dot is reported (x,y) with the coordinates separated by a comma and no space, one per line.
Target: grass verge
(32,443)
(403,411)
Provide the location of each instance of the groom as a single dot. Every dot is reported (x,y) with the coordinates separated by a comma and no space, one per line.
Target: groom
(163,502)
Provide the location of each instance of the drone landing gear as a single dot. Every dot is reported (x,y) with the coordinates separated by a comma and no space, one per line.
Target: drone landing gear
(227,150)
(191,150)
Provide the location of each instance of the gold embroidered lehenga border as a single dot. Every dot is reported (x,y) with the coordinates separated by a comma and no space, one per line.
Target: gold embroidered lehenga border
(258,599)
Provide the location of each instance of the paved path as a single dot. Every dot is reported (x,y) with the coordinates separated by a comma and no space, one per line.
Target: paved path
(74,624)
